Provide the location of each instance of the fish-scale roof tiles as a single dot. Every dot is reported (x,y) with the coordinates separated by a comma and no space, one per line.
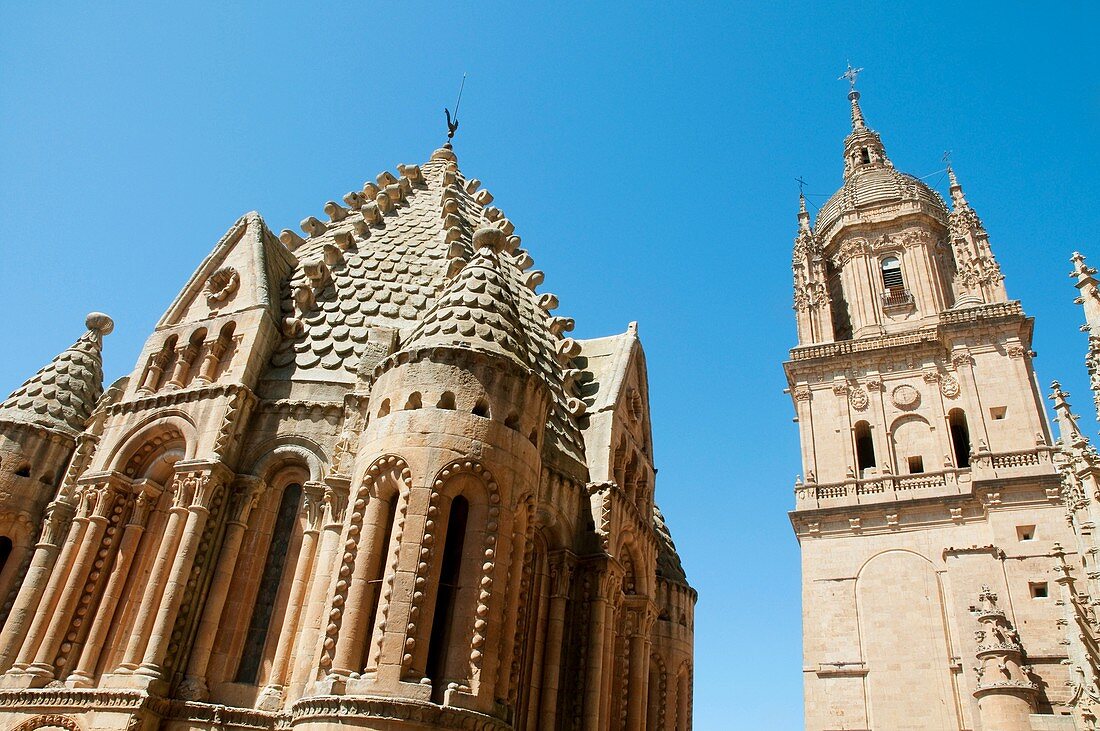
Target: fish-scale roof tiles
(387,256)
(62,395)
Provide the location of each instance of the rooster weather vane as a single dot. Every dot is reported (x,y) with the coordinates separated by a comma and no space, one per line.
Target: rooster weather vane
(452,122)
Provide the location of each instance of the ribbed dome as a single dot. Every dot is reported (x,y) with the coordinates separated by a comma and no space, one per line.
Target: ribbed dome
(875,185)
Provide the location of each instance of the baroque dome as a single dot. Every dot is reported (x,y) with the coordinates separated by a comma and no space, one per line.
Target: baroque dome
(877,185)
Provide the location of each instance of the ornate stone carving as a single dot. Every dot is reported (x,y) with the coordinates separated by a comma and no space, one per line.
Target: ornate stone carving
(858,398)
(949,386)
(905,397)
(221,286)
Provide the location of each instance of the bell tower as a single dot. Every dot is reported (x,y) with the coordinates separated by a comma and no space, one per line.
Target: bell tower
(927,457)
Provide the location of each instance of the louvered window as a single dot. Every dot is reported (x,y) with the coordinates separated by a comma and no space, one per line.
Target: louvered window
(891,275)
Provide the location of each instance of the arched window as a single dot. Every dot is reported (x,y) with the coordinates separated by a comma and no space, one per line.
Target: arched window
(375,596)
(865,447)
(449,575)
(270,581)
(960,437)
(891,275)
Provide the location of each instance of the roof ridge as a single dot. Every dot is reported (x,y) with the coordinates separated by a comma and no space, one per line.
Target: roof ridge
(63,393)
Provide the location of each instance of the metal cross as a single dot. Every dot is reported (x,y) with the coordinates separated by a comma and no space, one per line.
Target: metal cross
(801,184)
(947,158)
(851,75)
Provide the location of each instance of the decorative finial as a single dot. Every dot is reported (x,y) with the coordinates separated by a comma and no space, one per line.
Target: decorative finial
(957,197)
(857,114)
(99,323)
(851,75)
(452,123)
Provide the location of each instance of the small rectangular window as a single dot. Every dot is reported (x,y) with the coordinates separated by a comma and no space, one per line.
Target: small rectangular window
(1038,590)
(1025,532)
(998,412)
(916,465)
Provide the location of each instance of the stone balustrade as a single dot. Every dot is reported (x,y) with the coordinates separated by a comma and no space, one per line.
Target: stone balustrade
(886,488)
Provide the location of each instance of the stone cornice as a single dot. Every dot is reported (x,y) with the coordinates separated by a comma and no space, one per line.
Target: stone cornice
(174,398)
(948,320)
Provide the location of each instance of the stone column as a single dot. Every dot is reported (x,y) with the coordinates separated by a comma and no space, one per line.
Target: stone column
(638,643)
(353,636)
(154,586)
(271,698)
(242,502)
(101,498)
(562,565)
(200,487)
(36,581)
(84,673)
(599,637)
(312,635)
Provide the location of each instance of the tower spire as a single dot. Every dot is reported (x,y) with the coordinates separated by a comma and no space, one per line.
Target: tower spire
(853,96)
(957,197)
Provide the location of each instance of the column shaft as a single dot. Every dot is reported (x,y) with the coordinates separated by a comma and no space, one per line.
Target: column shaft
(173,590)
(97,635)
(150,598)
(36,589)
(354,636)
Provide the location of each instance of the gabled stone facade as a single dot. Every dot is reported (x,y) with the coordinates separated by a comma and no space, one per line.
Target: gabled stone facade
(358,479)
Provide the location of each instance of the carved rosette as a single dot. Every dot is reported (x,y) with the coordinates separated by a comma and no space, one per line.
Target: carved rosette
(221,286)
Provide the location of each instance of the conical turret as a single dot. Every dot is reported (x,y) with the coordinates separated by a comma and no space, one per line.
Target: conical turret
(1005,691)
(62,395)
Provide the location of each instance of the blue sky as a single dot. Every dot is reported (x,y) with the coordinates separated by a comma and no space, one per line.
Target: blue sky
(647,153)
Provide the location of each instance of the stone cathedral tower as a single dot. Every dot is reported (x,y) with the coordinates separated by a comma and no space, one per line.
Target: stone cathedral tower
(361,479)
(930,502)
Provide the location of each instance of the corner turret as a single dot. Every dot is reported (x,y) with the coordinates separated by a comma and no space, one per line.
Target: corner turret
(1005,690)
(40,423)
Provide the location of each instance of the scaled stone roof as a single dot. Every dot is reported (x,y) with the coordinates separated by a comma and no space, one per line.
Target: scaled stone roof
(62,395)
(477,309)
(384,258)
(875,185)
(668,560)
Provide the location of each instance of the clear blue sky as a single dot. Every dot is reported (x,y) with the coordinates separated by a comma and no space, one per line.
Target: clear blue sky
(647,154)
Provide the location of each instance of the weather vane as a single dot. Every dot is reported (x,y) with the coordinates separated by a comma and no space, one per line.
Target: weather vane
(851,75)
(452,123)
(947,158)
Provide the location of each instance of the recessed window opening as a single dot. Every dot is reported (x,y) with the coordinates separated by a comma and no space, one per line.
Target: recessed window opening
(1038,590)
(916,465)
(960,437)
(384,408)
(997,413)
(891,275)
(865,155)
(446,400)
(865,447)
(23,471)
(443,618)
(1025,532)
(270,580)
(380,572)
(481,408)
(414,401)
(5,551)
